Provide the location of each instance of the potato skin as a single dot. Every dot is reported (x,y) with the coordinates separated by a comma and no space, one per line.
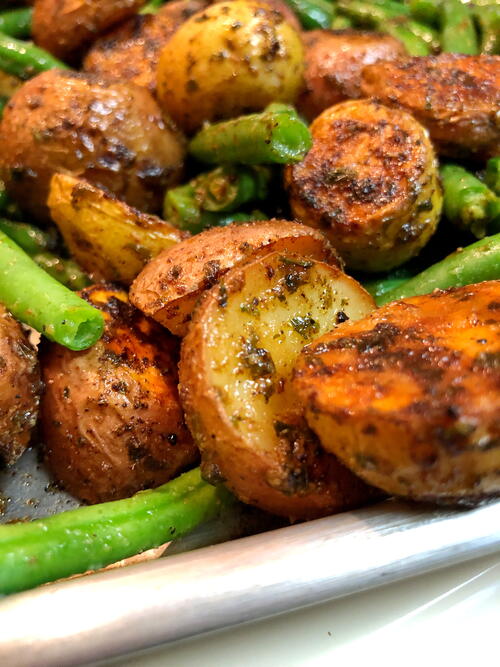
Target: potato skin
(65,27)
(235,384)
(114,135)
(111,418)
(132,50)
(334,61)
(370,182)
(456,97)
(169,286)
(421,416)
(19,388)
(232,58)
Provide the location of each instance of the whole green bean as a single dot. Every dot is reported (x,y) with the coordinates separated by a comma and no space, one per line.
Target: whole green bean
(37,299)
(466,199)
(92,537)
(16,22)
(31,239)
(458,34)
(492,174)
(378,288)
(488,19)
(427,11)
(341,23)
(473,264)
(263,138)
(313,14)
(65,271)
(24,59)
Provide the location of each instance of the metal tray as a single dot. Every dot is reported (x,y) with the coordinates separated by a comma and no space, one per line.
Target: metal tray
(203,589)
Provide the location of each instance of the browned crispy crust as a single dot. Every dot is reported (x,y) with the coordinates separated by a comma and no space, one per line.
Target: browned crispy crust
(334,61)
(409,397)
(456,97)
(111,418)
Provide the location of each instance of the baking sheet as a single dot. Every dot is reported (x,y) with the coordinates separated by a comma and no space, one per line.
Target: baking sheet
(204,589)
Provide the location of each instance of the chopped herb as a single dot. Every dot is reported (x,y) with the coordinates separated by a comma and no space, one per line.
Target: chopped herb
(305,326)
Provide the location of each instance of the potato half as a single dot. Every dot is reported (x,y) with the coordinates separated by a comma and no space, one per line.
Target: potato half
(235,385)
(108,238)
(232,58)
(169,286)
(409,397)
(370,182)
(111,418)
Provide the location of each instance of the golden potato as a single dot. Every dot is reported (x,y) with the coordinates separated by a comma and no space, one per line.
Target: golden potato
(169,286)
(132,50)
(370,182)
(334,61)
(232,58)
(235,385)
(19,388)
(456,97)
(111,418)
(114,135)
(65,27)
(409,397)
(109,239)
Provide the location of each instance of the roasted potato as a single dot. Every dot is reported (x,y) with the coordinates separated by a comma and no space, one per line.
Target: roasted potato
(409,397)
(8,84)
(112,423)
(110,240)
(169,286)
(19,388)
(334,61)
(232,58)
(65,27)
(234,375)
(370,182)
(114,135)
(132,50)
(456,97)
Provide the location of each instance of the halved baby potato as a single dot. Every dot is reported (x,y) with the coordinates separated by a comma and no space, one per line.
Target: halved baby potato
(169,286)
(108,238)
(409,397)
(235,368)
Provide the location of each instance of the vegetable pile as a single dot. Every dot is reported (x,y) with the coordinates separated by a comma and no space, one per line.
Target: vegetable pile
(262,236)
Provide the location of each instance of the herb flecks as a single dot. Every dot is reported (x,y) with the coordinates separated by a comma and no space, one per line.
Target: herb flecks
(305,326)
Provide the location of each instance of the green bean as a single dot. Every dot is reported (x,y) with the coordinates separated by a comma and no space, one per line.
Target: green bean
(31,239)
(152,7)
(492,174)
(37,299)
(458,34)
(473,264)
(466,199)
(427,11)
(313,13)
(24,59)
(89,538)
(377,288)
(488,19)
(268,137)
(16,22)
(341,23)
(65,271)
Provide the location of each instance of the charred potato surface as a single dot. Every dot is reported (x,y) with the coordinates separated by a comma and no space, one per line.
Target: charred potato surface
(169,286)
(19,388)
(111,418)
(65,27)
(110,240)
(409,397)
(370,182)
(234,374)
(456,97)
(334,61)
(131,52)
(232,58)
(114,135)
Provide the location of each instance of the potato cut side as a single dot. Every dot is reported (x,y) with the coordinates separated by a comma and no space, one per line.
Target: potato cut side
(235,369)
(169,286)
(409,397)
(106,237)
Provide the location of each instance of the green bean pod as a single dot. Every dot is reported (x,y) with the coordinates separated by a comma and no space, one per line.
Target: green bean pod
(31,239)
(377,288)
(37,299)
(492,174)
(16,22)
(458,34)
(151,7)
(426,11)
(92,537)
(473,264)
(313,14)
(24,59)
(65,271)
(341,23)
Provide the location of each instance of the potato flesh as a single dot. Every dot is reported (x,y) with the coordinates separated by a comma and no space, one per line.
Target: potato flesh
(409,397)
(234,377)
(370,182)
(109,239)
